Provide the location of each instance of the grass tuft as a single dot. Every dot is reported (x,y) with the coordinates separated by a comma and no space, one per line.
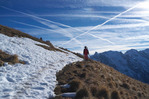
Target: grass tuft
(93,91)
(1,63)
(51,47)
(82,93)
(115,95)
(125,85)
(103,93)
(11,59)
(57,97)
(74,85)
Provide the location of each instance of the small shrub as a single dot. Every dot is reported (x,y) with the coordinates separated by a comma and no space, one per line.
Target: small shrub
(74,85)
(57,97)
(125,85)
(103,93)
(3,55)
(110,85)
(75,71)
(135,97)
(133,88)
(83,75)
(121,92)
(90,68)
(139,94)
(94,91)
(22,62)
(115,95)
(82,93)
(108,79)
(13,59)
(57,90)
(116,85)
(1,63)
(102,76)
(78,65)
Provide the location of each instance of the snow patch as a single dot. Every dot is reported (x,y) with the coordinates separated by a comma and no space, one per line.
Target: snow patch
(35,79)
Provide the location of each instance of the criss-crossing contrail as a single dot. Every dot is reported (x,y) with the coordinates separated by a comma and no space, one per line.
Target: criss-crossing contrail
(58,24)
(87,32)
(38,18)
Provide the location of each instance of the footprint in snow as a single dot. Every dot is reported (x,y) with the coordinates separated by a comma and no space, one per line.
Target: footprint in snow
(10,79)
(45,84)
(38,88)
(5,96)
(7,90)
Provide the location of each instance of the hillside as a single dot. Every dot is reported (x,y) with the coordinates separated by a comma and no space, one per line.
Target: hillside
(94,80)
(36,76)
(132,63)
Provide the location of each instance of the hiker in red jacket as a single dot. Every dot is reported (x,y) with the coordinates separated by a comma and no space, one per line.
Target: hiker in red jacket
(85,53)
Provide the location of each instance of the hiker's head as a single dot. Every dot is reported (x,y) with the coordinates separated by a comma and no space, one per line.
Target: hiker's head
(85,47)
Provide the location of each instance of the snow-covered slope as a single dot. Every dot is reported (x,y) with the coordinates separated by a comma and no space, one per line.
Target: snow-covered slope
(133,63)
(35,79)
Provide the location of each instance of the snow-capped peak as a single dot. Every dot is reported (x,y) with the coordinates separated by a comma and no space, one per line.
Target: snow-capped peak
(132,63)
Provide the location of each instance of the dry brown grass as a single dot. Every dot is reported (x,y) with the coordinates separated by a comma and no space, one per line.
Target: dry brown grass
(102,82)
(51,48)
(125,85)
(79,55)
(74,85)
(103,93)
(115,95)
(1,63)
(82,93)
(11,59)
(94,90)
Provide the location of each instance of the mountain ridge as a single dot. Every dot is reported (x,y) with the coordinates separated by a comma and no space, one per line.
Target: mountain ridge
(132,63)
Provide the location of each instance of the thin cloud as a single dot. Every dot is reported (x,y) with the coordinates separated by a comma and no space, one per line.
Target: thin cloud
(140,37)
(120,3)
(118,26)
(103,23)
(74,15)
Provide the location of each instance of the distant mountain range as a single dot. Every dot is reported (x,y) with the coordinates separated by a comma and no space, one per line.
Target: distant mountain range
(133,63)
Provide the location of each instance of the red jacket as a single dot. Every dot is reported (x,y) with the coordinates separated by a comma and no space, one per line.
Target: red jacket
(85,52)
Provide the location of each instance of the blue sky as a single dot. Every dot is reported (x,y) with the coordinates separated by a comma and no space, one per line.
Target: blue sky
(101,25)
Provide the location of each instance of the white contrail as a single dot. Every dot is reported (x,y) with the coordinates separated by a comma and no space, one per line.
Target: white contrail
(57,24)
(87,32)
(44,29)
(57,27)
(40,18)
(42,22)
(101,38)
(32,25)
